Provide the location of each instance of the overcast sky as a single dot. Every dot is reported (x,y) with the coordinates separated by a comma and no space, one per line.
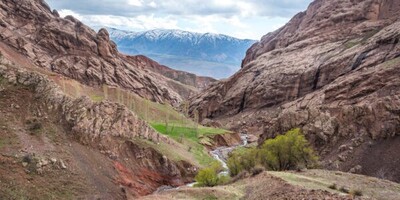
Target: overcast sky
(239,18)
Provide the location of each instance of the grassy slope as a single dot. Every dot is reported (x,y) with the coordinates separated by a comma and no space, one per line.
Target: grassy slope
(189,137)
(156,115)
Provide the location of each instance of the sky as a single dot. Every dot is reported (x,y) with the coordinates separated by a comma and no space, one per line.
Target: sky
(245,19)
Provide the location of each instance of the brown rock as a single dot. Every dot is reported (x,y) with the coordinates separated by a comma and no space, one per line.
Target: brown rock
(332,71)
(70,48)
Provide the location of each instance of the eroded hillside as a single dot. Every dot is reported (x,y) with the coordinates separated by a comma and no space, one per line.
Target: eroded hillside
(75,147)
(68,47)
(333,71)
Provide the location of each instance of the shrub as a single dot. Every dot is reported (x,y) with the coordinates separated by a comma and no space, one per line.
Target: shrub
(242,159)
(355,193)
(344,190)
(222,180)
(207,177)
(34,126)
(285,152)
(333,186)
(257,170)
(241,175)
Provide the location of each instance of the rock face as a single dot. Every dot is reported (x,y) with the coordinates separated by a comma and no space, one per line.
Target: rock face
(333,70)
(68,47)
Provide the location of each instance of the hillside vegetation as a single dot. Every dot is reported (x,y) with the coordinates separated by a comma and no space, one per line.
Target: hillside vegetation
(162,117)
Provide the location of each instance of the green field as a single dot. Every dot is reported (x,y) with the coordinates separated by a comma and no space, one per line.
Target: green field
(179,131)
(189,137)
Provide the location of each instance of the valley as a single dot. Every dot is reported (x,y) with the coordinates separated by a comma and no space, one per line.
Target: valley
(312,113)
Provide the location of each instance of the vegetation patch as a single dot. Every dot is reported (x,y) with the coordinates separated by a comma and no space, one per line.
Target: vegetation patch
(368,35)
(2,80)
(209,177)
(333,186)
(96,98)
(355,193)
(8,140)
(162,117)
(392,62)
(285,152)
(350,44)
(190,136)
(34,126)
(344,190)
(181,131)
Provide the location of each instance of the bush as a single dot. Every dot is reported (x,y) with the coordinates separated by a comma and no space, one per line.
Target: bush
(333,186)
(285,152)
(222,180)
(355,193)
(242,159)
(208,177)
(34,126)
(257,170)
(240,176)
(344,190)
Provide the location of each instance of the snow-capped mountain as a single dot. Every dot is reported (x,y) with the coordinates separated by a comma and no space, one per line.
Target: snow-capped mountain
(208,54)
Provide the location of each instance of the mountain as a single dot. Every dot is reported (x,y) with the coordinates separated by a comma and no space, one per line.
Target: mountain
(74,112)
(214,55)
(70,48)
(333,71)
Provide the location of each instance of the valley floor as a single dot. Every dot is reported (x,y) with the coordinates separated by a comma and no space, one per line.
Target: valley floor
(311,184)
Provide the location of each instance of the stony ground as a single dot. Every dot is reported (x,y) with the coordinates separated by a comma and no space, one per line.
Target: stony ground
(39,161)
(311,184)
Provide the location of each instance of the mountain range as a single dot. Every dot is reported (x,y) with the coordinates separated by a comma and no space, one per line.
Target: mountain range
(213,55)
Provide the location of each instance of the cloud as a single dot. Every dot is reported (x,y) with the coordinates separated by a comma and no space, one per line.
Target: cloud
(239,18)
(228,8)
(140,22)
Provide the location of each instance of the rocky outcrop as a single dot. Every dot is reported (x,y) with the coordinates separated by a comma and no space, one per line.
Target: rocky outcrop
(70,48)
(332,70)
(108,127)
(89,121)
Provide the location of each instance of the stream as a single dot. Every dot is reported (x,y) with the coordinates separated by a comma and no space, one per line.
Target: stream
(221,155)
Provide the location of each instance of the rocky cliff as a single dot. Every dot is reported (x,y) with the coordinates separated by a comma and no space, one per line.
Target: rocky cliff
(334,71)
(70,48)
